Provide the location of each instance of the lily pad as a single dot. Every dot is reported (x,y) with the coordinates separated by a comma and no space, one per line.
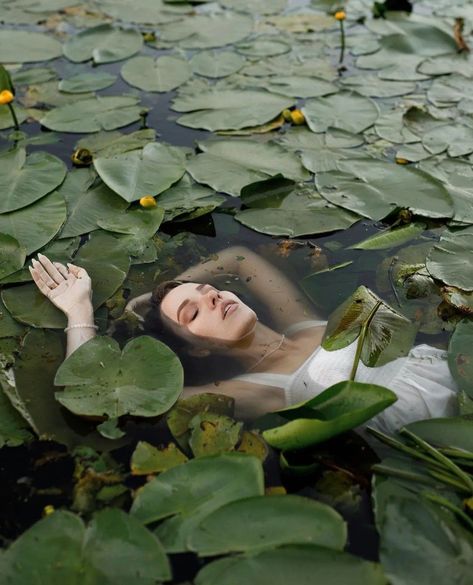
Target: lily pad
(300,563)
(181,494)
(337,409)
(46,215)
(280,207)
(103,44)
(186,197)
(391,238)
(451,259)
(263,47)
(143,380)
(274,521)
(228,165)
(372,86)
(12,255)
(25,179)
(374,188)
(213,433)
(255,6)
(144,11)
(229,109)
(390,335)
(147,459)
(447,64)
(303,87)
(452,89)
(139,173)
(142,223)
(345,110)
(447,433)
(21,46)
(161,75)
(460,356)
(216,63)
(6,120)
(206,31)
(84,82)
(107,144)
(13,428)
(93,115)
(113,549)
(87,202)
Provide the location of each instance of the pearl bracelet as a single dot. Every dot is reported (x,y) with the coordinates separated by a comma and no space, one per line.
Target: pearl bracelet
(80,326)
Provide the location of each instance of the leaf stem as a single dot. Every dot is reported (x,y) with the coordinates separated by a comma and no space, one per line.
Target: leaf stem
(361,339)
(447,504)
(13,115)
(342,39)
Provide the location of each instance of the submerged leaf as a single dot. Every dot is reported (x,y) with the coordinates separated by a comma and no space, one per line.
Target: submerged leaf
(147,459)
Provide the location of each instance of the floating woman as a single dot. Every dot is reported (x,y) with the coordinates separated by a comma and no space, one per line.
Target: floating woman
(281,365)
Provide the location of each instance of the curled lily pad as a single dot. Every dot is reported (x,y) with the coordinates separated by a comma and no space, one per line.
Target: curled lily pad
(390,335)
(275,521)
(391,238)
(103,44)
(451,260)
(162,74)
(21,46)
(92,115)
(114,548)
(337,409)
(228,165)
(374,188)
(301,563)
(345,110)
(25,179)
(143,380)
(139,173)
(180,495)
(229,109)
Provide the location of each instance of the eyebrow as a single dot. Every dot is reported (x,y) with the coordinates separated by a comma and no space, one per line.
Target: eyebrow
(184,303)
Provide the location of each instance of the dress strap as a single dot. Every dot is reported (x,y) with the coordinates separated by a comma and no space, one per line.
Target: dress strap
(301,325)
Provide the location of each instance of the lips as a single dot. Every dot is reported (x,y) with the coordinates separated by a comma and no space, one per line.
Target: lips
(227,307)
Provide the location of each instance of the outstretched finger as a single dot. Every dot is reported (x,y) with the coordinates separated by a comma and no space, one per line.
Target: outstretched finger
(43,287)
(50,268)
(38,267)
(77,271)
(62,269)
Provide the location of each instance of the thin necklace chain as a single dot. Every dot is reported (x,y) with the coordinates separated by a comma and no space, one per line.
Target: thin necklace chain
(267,354)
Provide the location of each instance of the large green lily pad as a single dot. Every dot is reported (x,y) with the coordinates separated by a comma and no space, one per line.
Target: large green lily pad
(107,144)
(84,82)
(299,563)
(228,165)
(451,260)
(141,223)
(274,521)
(103,44)
(12,255)
(337,409)
(145,379)
(281,207)
(46,215)
(460,356)
(216,63)
(390,335)
(139,173)
(206,31)
(181,494)
(144,11)
(161,75)
(186,197)
(21,46)
(229,109)
(113,549)
(25,179)
(298,86)
(92,115)
(374,188)
(345,110)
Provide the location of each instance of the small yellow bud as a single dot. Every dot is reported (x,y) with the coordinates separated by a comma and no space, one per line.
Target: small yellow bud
(148,202)
(48,510)
(6,97)
(81,157)
(286,114)
(149,37)
(401,161)
(297,118)
(340,15)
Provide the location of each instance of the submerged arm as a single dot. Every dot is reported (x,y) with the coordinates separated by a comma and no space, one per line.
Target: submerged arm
(70,290)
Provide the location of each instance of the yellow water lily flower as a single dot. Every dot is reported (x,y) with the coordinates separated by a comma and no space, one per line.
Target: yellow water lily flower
(148,202)
(48,510)
(340,15)
(401,161)
(286,114)
(6,97)
(82,157)
(297,117)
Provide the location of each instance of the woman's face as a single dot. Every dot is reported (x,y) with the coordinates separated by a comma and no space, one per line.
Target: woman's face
(205,311)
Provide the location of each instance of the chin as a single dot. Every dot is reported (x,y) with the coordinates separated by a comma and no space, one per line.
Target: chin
(246,325)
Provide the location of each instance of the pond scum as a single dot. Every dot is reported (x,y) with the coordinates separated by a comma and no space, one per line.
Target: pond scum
(128,129)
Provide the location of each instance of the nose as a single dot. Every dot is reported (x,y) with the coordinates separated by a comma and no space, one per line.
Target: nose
(211,298)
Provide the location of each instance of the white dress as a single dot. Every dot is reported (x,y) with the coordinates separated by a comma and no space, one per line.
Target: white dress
(421,380)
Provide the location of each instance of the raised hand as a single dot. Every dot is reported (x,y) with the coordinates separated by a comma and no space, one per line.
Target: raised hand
(69,289)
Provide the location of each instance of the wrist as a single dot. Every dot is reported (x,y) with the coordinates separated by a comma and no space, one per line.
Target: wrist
(83,313)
